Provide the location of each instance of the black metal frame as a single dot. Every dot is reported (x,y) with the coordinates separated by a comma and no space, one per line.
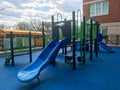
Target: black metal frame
(12,48)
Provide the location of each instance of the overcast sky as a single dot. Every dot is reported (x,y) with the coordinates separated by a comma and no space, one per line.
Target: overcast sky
(24,10)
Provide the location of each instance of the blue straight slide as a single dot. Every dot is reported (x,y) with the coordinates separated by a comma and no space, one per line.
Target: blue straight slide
(48,54)
(105,47)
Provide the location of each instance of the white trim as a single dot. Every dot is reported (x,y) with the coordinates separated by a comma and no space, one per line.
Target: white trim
(111,24)
(86,3)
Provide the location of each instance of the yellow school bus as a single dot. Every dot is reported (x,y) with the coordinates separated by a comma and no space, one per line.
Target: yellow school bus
(20,38)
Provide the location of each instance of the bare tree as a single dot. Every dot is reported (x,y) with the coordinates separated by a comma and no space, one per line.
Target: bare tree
(22,26)
(36,24)
(2,26)
(31,25)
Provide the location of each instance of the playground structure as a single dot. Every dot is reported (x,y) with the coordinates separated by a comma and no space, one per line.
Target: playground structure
(69,37)
(50,52)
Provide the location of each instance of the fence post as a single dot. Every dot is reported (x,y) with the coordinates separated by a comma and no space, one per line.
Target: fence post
(74,48)
(30,47)
(91,39)
(12,48)
(117,39)
(43,35)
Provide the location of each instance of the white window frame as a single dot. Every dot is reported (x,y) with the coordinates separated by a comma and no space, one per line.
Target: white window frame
(101,10)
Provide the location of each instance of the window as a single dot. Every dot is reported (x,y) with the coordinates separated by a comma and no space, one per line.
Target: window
(99,8)
(104,30)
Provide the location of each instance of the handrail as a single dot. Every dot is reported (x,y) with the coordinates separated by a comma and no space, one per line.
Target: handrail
(59,14)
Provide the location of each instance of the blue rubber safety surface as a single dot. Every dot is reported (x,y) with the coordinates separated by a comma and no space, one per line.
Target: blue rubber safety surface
(102,73)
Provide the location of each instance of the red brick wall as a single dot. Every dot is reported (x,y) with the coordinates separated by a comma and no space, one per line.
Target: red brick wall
(114,12)
(86,11)
(87,0)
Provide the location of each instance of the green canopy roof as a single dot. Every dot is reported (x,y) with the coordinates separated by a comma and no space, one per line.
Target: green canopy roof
(88,21)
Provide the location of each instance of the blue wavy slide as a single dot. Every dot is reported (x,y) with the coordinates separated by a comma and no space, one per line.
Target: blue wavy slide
(48,54)
(105,47)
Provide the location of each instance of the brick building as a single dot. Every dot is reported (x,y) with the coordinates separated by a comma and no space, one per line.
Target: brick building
(107,12)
